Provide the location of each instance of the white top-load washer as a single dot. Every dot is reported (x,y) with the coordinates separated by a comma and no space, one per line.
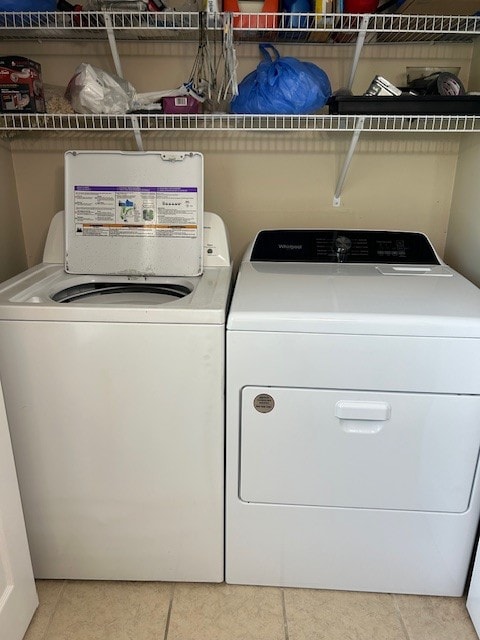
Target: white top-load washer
(353,414)
(114,384)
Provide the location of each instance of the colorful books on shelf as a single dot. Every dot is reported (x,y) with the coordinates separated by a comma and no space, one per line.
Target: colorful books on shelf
(323,19)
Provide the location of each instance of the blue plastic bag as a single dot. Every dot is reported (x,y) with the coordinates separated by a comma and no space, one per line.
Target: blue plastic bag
(28,5)
(283,86)
(290,8)
(11,6)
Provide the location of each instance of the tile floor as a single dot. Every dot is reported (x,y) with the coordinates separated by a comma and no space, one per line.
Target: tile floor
(163,611)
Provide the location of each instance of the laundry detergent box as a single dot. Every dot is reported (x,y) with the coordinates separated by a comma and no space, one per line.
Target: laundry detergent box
(21,87)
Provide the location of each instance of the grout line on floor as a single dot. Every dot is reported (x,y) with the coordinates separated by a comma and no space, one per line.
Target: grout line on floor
(170,605)
(285,621)
(47,626)
(400,617)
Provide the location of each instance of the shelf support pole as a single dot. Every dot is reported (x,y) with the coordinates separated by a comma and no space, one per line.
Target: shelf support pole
(348,158)
(113,44)
(137,133)
(358,48)
(119,71)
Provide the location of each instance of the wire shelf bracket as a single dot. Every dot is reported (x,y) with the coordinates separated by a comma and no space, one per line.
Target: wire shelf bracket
(358,49)
(348,159)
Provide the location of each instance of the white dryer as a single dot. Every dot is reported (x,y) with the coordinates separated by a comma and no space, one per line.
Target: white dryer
(114,384)
(353,414)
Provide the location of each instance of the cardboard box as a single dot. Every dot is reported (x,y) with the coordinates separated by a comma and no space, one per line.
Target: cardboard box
(21,87)
(441,7)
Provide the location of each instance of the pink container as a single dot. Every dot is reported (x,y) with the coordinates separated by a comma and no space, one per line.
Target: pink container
(360,6)
(180,104)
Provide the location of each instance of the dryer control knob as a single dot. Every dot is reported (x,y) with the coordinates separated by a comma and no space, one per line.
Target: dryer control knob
(342,247)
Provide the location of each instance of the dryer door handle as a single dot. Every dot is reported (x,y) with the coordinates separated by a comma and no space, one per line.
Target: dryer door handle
(362,410)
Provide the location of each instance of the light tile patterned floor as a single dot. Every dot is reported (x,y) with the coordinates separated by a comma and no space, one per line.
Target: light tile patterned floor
(81,610)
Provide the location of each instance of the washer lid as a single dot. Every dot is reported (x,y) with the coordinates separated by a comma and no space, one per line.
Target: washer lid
(134,213)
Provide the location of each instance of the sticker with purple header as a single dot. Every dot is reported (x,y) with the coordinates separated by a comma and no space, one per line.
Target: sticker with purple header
(136,211)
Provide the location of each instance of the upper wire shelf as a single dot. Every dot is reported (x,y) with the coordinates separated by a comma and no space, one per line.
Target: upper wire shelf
(227,122)
(339,28)
(332,28)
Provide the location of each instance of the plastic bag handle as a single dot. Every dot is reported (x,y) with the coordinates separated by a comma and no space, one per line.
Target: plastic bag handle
(266,54)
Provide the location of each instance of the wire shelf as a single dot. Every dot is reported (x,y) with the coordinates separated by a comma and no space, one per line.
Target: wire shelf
(237,123)
(331,28)
(337,28)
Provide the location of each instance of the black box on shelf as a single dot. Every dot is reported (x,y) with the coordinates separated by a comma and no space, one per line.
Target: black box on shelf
(405,105)
(441,7)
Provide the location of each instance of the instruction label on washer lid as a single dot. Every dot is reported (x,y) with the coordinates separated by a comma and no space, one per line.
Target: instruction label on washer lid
(136,211)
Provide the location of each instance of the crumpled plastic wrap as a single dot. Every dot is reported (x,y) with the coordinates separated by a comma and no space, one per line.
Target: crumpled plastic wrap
(92,90)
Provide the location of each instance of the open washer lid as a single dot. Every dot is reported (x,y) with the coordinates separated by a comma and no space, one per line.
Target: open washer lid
(134,213)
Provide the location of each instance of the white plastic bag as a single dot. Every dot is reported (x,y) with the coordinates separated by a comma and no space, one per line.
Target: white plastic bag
(92,90)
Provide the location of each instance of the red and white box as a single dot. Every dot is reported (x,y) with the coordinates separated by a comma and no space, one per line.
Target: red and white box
(21,86)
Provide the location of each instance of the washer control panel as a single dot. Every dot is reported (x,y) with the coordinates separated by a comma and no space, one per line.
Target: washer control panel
(355,246)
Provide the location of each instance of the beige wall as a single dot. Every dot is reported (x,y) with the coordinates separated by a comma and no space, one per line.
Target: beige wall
(463,245)
(261,180)
(12,250)
(277,181)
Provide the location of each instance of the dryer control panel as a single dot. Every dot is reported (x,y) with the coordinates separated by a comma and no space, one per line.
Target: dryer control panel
(355,246)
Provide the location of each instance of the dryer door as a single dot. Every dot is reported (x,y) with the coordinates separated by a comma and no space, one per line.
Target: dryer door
(336,448)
